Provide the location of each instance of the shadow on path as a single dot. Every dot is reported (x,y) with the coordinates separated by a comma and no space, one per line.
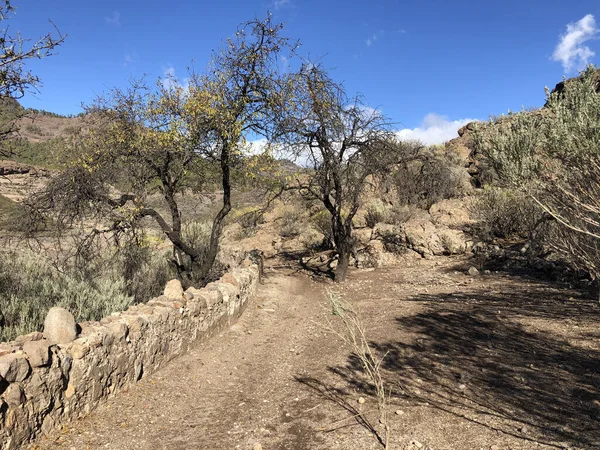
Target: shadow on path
(478,355)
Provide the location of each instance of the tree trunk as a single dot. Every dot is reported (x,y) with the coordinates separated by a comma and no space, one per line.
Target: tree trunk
(218,223)
(342,236)
(341,271)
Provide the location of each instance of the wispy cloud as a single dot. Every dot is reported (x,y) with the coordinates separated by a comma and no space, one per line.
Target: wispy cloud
(114,19)
(278,4)
(435,129)
(374,37)
(170,80)
(129,59)
(571,51)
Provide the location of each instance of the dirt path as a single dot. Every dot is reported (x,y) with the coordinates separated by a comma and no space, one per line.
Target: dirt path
(494,362)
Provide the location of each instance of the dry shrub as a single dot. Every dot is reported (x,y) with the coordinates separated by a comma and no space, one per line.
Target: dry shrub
(376,213)
(506,214)
(353,334)
(429,180)
(290,222)
(321,221)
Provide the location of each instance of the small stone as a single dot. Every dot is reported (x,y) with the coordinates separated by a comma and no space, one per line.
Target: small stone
(14,367)
(173,290)
(399,412)
(38,352)
(59,326)
(70,391)
(14,395)
(416,443)
(494,447)
(35,336)
(462,387)
(361,400)
(79,349)
(524,429)
(229,278)
(473,272)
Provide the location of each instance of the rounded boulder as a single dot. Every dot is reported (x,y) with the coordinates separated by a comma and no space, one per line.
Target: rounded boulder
(60,326)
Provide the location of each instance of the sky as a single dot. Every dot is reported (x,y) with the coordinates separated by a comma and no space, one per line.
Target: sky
(430,66)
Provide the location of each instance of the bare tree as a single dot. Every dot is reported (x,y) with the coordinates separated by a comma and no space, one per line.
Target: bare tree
(345,143)
(15,79)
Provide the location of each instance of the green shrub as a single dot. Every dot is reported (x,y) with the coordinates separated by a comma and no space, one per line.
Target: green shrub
(29,287)
(34,129)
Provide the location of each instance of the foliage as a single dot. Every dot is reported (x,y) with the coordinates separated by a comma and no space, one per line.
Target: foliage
(376,213)
(400,214)
(512,145)
(290,222)
(427,180)
(248,218)
(172,141)
(42,154)
(321,221)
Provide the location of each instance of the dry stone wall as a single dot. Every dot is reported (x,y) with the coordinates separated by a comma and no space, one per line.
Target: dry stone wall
(44,384)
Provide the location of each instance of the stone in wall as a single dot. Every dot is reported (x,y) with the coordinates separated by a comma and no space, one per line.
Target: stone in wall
(46,381)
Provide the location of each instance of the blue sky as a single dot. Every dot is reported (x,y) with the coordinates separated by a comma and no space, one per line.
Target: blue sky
(428,65)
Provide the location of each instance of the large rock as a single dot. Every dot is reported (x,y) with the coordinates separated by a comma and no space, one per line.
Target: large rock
(452,213)
(174,290)
(427,239)
(60,326)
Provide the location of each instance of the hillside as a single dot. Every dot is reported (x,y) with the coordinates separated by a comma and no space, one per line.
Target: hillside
(37,135)
(463,144)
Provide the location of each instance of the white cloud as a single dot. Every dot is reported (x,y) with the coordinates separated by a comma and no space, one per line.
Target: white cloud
(570,51)
(170,80)
(114,19)
(435,129)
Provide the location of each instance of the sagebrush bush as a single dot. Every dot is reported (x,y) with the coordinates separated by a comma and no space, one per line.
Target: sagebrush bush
(30,286)
(321,221)
(290,222)
(427,181)
(505,213)
(376,213)
(553,156)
